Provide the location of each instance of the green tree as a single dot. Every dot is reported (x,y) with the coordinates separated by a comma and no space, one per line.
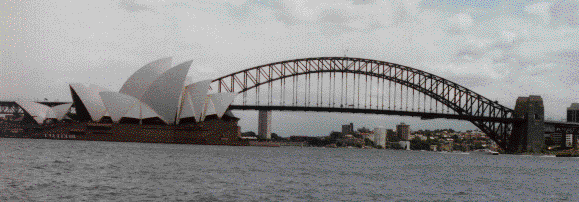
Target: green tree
(369,142)
(396,146)
(363,130)
(459,147)
(317,142)
(478,145)
(418,144)
(249,134)
(276,137)
(335,135)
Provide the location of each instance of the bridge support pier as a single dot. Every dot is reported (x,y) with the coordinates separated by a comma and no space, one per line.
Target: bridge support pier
(529,135)
(264,124)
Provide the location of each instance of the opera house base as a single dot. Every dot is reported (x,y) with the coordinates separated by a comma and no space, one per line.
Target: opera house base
(210,132)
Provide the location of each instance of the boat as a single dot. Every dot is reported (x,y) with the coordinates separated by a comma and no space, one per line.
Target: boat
(484,152)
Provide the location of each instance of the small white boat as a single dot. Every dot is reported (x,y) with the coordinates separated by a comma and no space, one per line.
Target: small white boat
(484,152)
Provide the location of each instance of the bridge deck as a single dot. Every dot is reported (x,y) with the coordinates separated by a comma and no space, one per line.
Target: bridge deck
(562,124)
(423,115)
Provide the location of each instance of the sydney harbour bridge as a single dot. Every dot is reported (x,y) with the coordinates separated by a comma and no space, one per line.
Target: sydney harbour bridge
(356,85)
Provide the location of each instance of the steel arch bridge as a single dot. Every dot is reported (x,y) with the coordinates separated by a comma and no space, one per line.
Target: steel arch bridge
(356,85)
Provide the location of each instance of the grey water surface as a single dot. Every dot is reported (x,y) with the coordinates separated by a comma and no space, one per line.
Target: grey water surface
(61,170)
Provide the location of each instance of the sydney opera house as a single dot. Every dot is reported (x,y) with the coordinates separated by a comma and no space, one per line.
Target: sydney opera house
(153,105)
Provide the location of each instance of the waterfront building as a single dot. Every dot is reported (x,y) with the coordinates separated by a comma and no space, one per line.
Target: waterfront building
(573,113)
(403,131)
(155,92)
(380,136)
(347,129)
(560,139)
(154,95)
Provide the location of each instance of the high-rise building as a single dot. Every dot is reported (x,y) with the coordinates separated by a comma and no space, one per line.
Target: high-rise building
(403,131)
(264,129)
(346,129)
(573,113)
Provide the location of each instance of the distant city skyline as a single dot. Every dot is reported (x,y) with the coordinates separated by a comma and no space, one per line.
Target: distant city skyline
(500,49)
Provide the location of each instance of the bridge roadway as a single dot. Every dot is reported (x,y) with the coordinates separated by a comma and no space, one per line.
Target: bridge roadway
(561,124)
(422,115)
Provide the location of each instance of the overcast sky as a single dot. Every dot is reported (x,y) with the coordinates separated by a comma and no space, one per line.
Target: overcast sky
(500,49)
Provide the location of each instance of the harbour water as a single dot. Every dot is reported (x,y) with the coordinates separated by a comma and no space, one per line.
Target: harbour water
(60,170)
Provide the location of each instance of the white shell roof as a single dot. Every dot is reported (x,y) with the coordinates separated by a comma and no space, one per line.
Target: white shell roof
(38,111)
(91,99)
(50,114)
(163,94)
(155,90)
(187,109)
(141,110)
(61,110)
(117,104)
(198,95)
(221,102)
(198,88)
(200,103)
(210,110)
(140,81)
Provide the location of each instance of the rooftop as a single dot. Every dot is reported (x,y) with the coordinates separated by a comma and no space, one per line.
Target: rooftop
(574,106)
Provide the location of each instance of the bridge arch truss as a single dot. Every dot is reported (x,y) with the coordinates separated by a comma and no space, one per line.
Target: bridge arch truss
(343,84)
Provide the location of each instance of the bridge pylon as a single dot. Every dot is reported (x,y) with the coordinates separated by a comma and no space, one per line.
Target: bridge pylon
(264,124)
(528,136)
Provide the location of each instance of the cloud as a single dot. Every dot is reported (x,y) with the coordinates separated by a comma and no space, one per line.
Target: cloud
(566,12)
(302,10)
(237,2)
(411,6)
(348,15)
(508,37)
(472,48)
(133,6)
(540,44)
(481,68)
(540,9)
(461,22)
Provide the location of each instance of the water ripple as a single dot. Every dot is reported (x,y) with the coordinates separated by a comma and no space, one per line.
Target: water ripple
(47,170)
